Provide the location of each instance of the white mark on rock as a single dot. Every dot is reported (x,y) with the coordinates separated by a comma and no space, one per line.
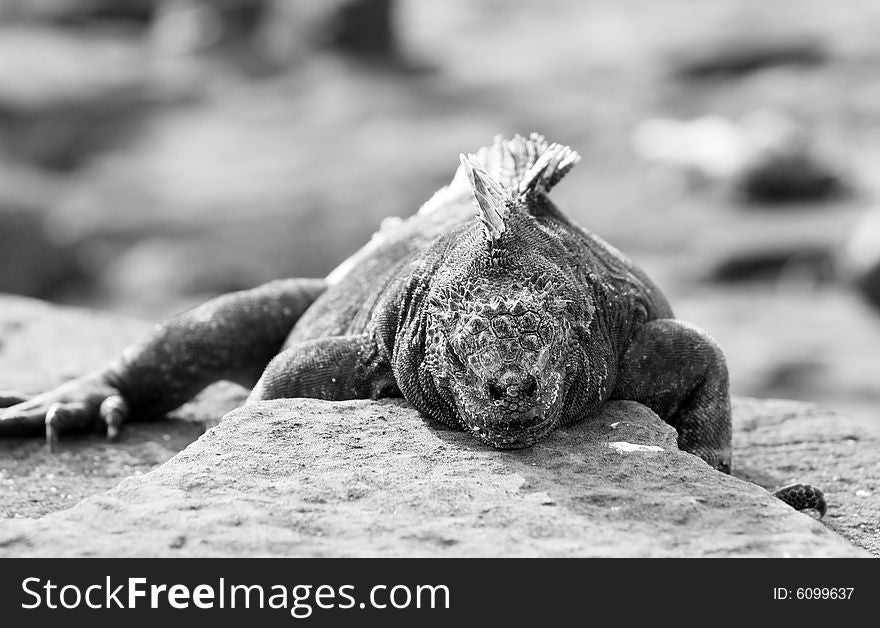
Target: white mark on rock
(626,448)
(615,424)
(861,493)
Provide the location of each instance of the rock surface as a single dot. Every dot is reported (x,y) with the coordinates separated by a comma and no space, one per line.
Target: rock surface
(778,442)
(42,345)
(312,478)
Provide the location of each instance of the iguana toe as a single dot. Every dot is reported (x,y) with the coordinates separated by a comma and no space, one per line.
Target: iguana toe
(803,497)
(114,412)
(63,417)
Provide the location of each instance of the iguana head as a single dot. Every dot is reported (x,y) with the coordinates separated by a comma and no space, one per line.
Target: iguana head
(502,351)
(503,323)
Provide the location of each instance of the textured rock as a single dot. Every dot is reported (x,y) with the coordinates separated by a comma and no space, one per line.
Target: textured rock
(42,345)
(778,442)
(313,478)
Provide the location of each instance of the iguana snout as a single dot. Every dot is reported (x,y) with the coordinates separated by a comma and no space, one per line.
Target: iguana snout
(513,410)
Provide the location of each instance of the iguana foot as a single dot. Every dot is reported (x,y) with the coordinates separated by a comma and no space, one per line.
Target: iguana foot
(72,407)
(803,497)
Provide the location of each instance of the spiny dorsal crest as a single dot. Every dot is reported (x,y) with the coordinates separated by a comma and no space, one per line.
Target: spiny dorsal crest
(509,170)
(491,198)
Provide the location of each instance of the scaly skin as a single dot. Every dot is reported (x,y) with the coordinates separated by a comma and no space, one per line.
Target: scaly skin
(507,326)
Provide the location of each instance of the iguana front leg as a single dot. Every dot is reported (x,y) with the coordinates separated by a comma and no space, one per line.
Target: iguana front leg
(334,368)
(231,337)
(680,372)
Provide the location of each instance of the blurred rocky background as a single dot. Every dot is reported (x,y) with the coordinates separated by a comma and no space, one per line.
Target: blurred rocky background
(156,152)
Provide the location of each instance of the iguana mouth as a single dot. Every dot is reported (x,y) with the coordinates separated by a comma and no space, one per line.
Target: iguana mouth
(516,426)
(517,433)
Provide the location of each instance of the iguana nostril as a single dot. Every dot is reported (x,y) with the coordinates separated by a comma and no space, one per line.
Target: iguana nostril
(526,388)
(495,391)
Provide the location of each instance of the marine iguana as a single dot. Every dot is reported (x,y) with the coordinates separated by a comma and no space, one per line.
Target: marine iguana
(508,326)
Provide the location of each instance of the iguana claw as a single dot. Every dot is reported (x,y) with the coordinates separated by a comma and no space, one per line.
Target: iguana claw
(53,421)
(803,497)
(61,417)
(114,412)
